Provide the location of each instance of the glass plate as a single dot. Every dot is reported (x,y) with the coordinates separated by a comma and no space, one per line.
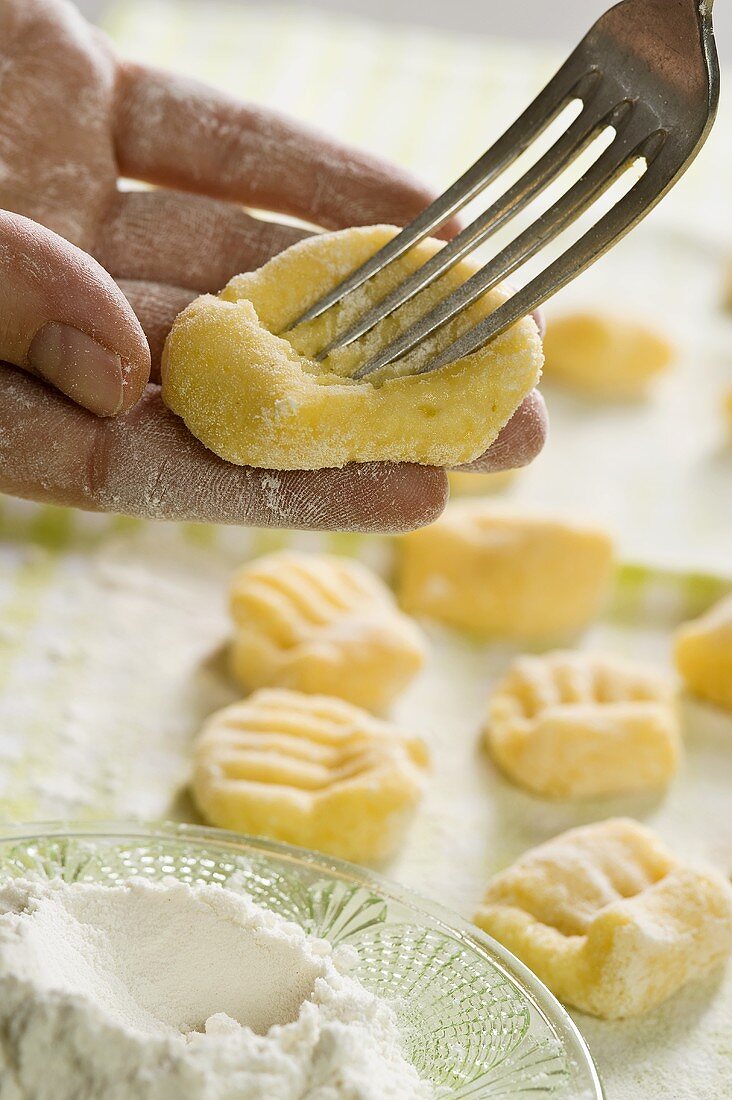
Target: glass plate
(475,1021)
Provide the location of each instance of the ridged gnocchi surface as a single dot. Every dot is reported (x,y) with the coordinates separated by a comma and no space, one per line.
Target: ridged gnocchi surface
(609,919)
(703,653)
(322,624)
(309,770)
(503,573)
(579,725)
(605,356)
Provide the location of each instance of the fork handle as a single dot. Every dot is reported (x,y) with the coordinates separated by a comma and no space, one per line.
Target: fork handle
(654,35)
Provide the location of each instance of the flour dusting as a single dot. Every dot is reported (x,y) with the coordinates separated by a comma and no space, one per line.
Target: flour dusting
(172,991)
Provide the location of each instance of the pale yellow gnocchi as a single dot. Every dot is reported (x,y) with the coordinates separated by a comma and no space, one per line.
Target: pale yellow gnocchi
(580,725)
(503,573)
(252,390)
(309,770)
(703,653)
(464,483)
(322,624)
(605,356)
(609,919)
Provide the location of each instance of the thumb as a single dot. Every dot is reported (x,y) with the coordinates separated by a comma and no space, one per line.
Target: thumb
(64,319)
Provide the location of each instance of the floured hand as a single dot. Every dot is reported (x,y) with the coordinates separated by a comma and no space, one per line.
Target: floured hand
(91,278)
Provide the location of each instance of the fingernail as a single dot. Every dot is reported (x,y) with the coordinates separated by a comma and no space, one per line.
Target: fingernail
(77,365)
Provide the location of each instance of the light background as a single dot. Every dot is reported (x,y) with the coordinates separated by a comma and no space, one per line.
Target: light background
(553,20)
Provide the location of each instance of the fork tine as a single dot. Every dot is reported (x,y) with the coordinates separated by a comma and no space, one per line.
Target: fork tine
(564,151)
(595,181)
(564,87)
(663,168)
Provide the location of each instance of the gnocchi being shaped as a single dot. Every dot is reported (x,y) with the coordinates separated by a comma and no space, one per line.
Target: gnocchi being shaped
(502,573)
(309,770)
(578,725)
(703,652)
(254,393)
(609,919)
(321,624)
(605,356)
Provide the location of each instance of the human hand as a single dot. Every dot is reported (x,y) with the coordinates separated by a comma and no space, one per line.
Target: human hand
(91,278)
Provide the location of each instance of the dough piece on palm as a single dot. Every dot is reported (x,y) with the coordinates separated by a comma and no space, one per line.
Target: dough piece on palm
(322,624)
(703,652)
(605,356)
(261,399)
(505,574)
(609,919)
(309,770)
(582,725)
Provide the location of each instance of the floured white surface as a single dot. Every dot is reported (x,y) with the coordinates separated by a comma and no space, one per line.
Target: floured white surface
(116,659)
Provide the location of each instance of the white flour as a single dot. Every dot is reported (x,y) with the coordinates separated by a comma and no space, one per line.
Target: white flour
(167,991)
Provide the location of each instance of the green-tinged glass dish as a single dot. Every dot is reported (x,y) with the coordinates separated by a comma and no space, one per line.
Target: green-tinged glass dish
(476,1022)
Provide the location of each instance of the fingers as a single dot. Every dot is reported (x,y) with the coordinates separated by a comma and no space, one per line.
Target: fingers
(156,307)
(519,442)
(181,134)
(147,464)
(186,240)
(63,318)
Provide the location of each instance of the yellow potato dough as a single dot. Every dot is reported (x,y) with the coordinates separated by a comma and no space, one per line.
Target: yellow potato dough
(464,484)
(609,919)
(703,652)
(605,356)
(262,400)
(728,413)
(505,574)
(321,624)
(309,770)
(580,725)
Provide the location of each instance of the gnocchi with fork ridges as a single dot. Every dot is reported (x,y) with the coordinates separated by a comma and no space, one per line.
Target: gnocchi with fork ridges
(579,725)
(309,770)
(609,919)
(323,624)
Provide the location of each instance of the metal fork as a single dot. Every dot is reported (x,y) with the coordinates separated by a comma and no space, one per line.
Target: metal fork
(649,70)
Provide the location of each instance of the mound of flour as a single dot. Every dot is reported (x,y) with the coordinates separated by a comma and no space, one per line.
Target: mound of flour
(167,991)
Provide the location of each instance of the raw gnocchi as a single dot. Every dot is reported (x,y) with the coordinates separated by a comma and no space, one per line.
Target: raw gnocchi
(309,770)
(703,653)
(322,624)
(578,725)
(609,919)
(466,484)
(506,574)
(257,398)
(605,356)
